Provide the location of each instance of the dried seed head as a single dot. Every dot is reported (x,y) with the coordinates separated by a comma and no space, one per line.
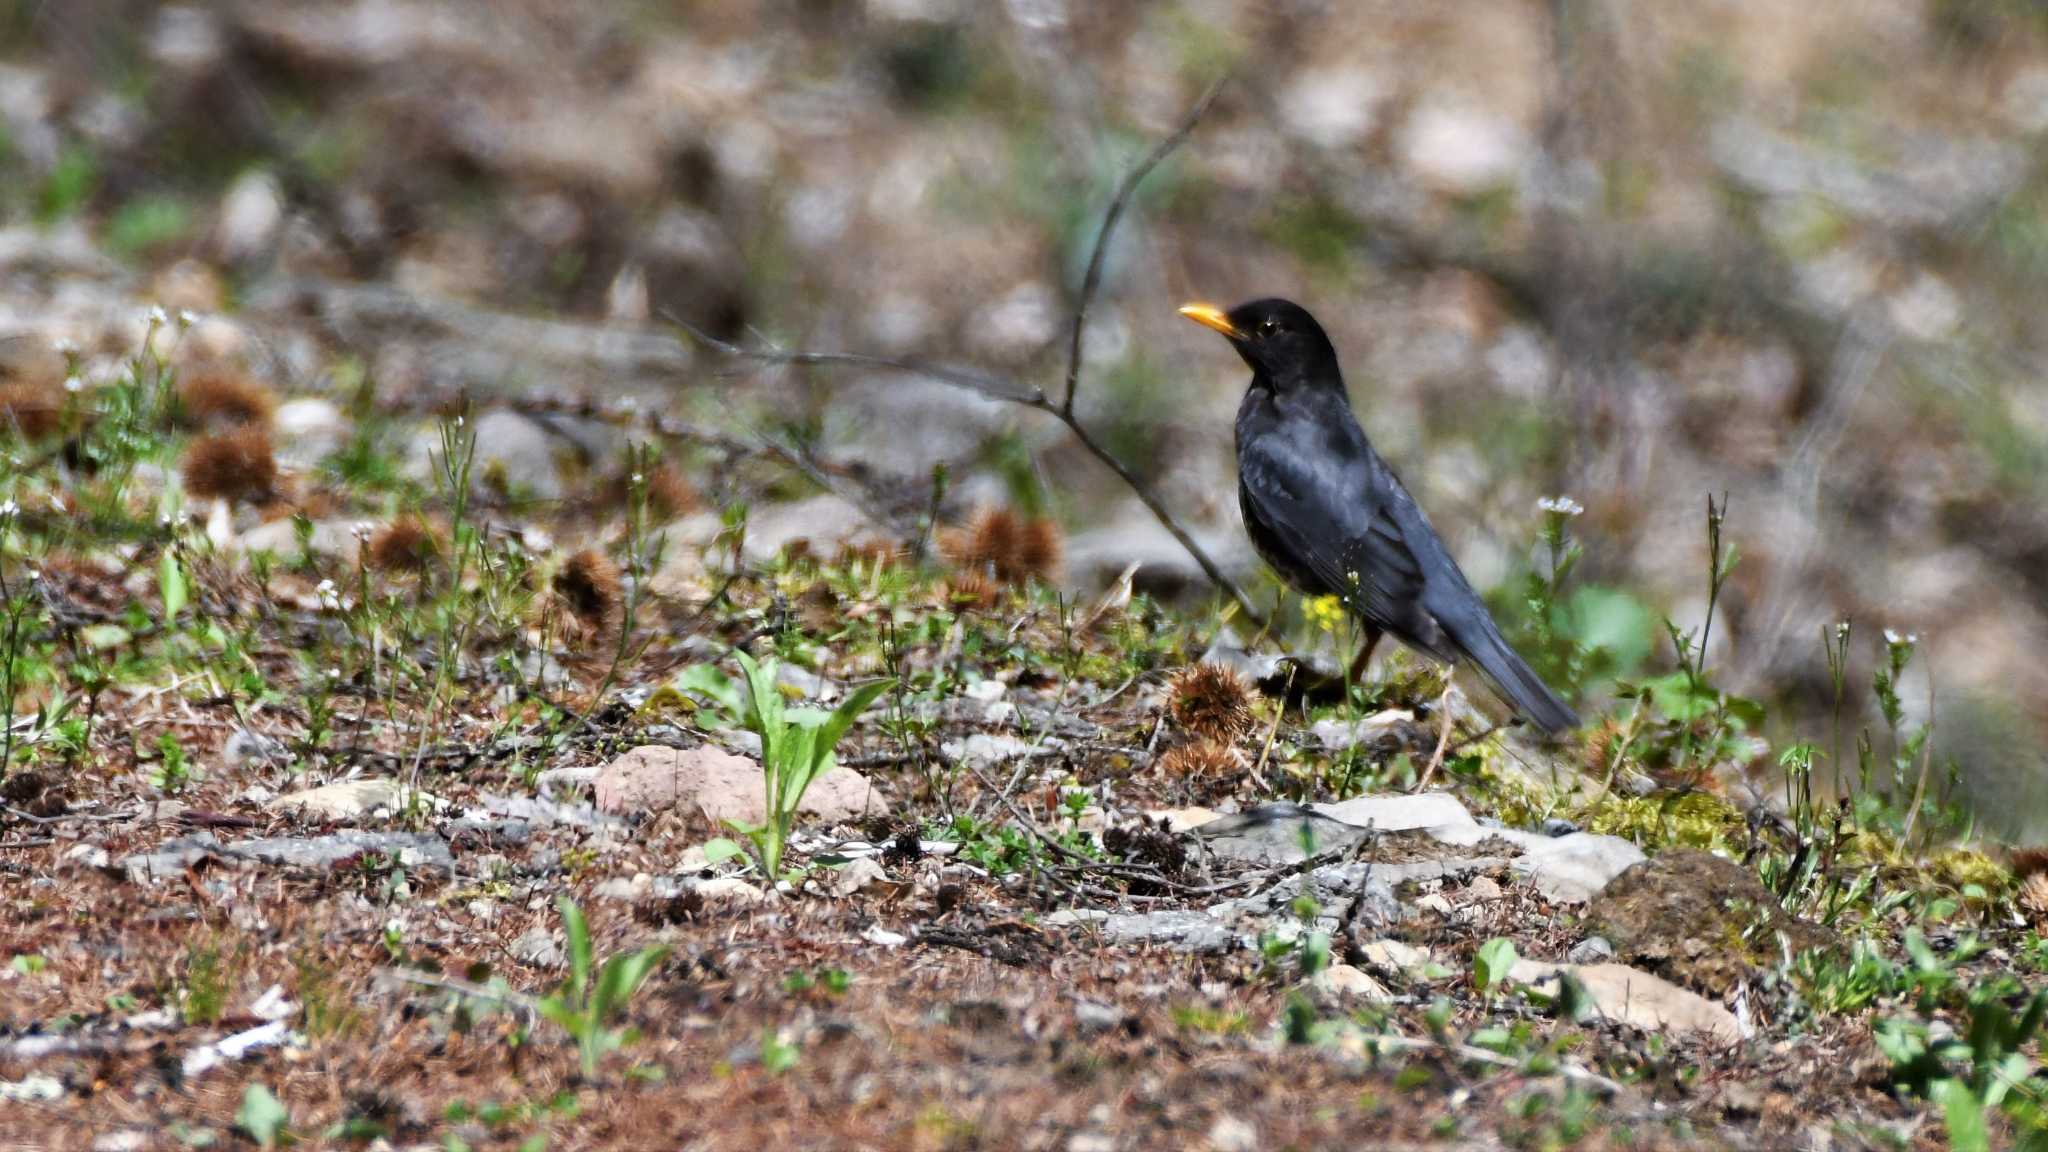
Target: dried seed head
(1000,543)
(2034,896)
(1211,701)
(970,589)
(1201,760)
(30,410)
(588,590)
(1039,545)
(406,544)
(218,397)
(2029,862)
(988,544)
(237,465)
(1603,745)
(669,496)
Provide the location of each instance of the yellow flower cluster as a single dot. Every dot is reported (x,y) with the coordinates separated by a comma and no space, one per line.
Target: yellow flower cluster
(1325,612)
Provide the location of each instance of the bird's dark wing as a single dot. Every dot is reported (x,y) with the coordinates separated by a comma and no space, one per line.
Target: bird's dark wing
(1322,499)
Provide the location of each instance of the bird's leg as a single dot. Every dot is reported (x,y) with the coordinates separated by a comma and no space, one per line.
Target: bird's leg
(1443,737)
(1364,657)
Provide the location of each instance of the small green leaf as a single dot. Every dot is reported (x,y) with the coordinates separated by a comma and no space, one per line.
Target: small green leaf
(100,637)
(1963,1113)
(578,933)
(170,584)
(262,1117)
(622,976)
(1491,965)
(722,848)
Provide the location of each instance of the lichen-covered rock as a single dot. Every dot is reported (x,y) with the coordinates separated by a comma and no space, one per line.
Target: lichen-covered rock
(1702,921)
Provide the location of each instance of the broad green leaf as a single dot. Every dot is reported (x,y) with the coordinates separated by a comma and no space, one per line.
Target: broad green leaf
(715,686)
(1963,1113)
(1492,963)
(622,976)
(720,849)
(262,1116)
(561,1013)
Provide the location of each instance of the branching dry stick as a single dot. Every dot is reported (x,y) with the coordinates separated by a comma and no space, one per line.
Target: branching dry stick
(1125,193)
(1029,396)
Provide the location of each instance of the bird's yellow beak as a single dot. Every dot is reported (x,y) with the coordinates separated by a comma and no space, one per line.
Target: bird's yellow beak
(1210,316)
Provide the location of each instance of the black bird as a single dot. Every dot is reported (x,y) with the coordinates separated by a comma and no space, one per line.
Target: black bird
(1329,515)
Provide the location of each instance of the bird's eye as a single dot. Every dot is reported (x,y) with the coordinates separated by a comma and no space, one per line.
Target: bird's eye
(1269,326)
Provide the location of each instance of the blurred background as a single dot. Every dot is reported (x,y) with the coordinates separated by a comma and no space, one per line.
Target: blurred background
(1789,250)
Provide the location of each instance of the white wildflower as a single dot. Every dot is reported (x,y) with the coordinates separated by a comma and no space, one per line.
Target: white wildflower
(1561,505)
(158,317)
(8,508)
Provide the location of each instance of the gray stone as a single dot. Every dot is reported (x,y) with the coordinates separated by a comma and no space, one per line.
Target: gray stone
(1461,148)
(539,948)
(308,430)
(986,750)
(1569,869)
(1333,107)
(414,850)
(1273,834)
(1591,950)
(1335,888)
(854,876)
(1398,812)
(1093,1016)
(516,454)
(824,522)
(334,539)
(1180,931)
(1381,729)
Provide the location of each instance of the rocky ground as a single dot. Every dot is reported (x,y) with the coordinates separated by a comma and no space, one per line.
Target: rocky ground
(335,756)
(379,576)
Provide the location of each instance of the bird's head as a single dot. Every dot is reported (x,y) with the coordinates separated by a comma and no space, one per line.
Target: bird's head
(1278,338)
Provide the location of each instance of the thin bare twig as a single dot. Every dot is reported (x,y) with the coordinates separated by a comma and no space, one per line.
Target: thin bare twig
(1030,396)
(1124,194)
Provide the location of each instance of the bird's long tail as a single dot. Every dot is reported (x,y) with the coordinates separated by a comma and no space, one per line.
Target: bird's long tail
(1513,677)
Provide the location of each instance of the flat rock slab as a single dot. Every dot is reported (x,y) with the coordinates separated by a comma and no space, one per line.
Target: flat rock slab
(1637,998)
(986,750)
(1179,931)
(723,786)
(1570,869)
(414,850)
(1399,811)
(1275,834)
(353,799)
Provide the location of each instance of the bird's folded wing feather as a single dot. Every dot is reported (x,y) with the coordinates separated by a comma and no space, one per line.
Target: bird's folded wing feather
(1332,516)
